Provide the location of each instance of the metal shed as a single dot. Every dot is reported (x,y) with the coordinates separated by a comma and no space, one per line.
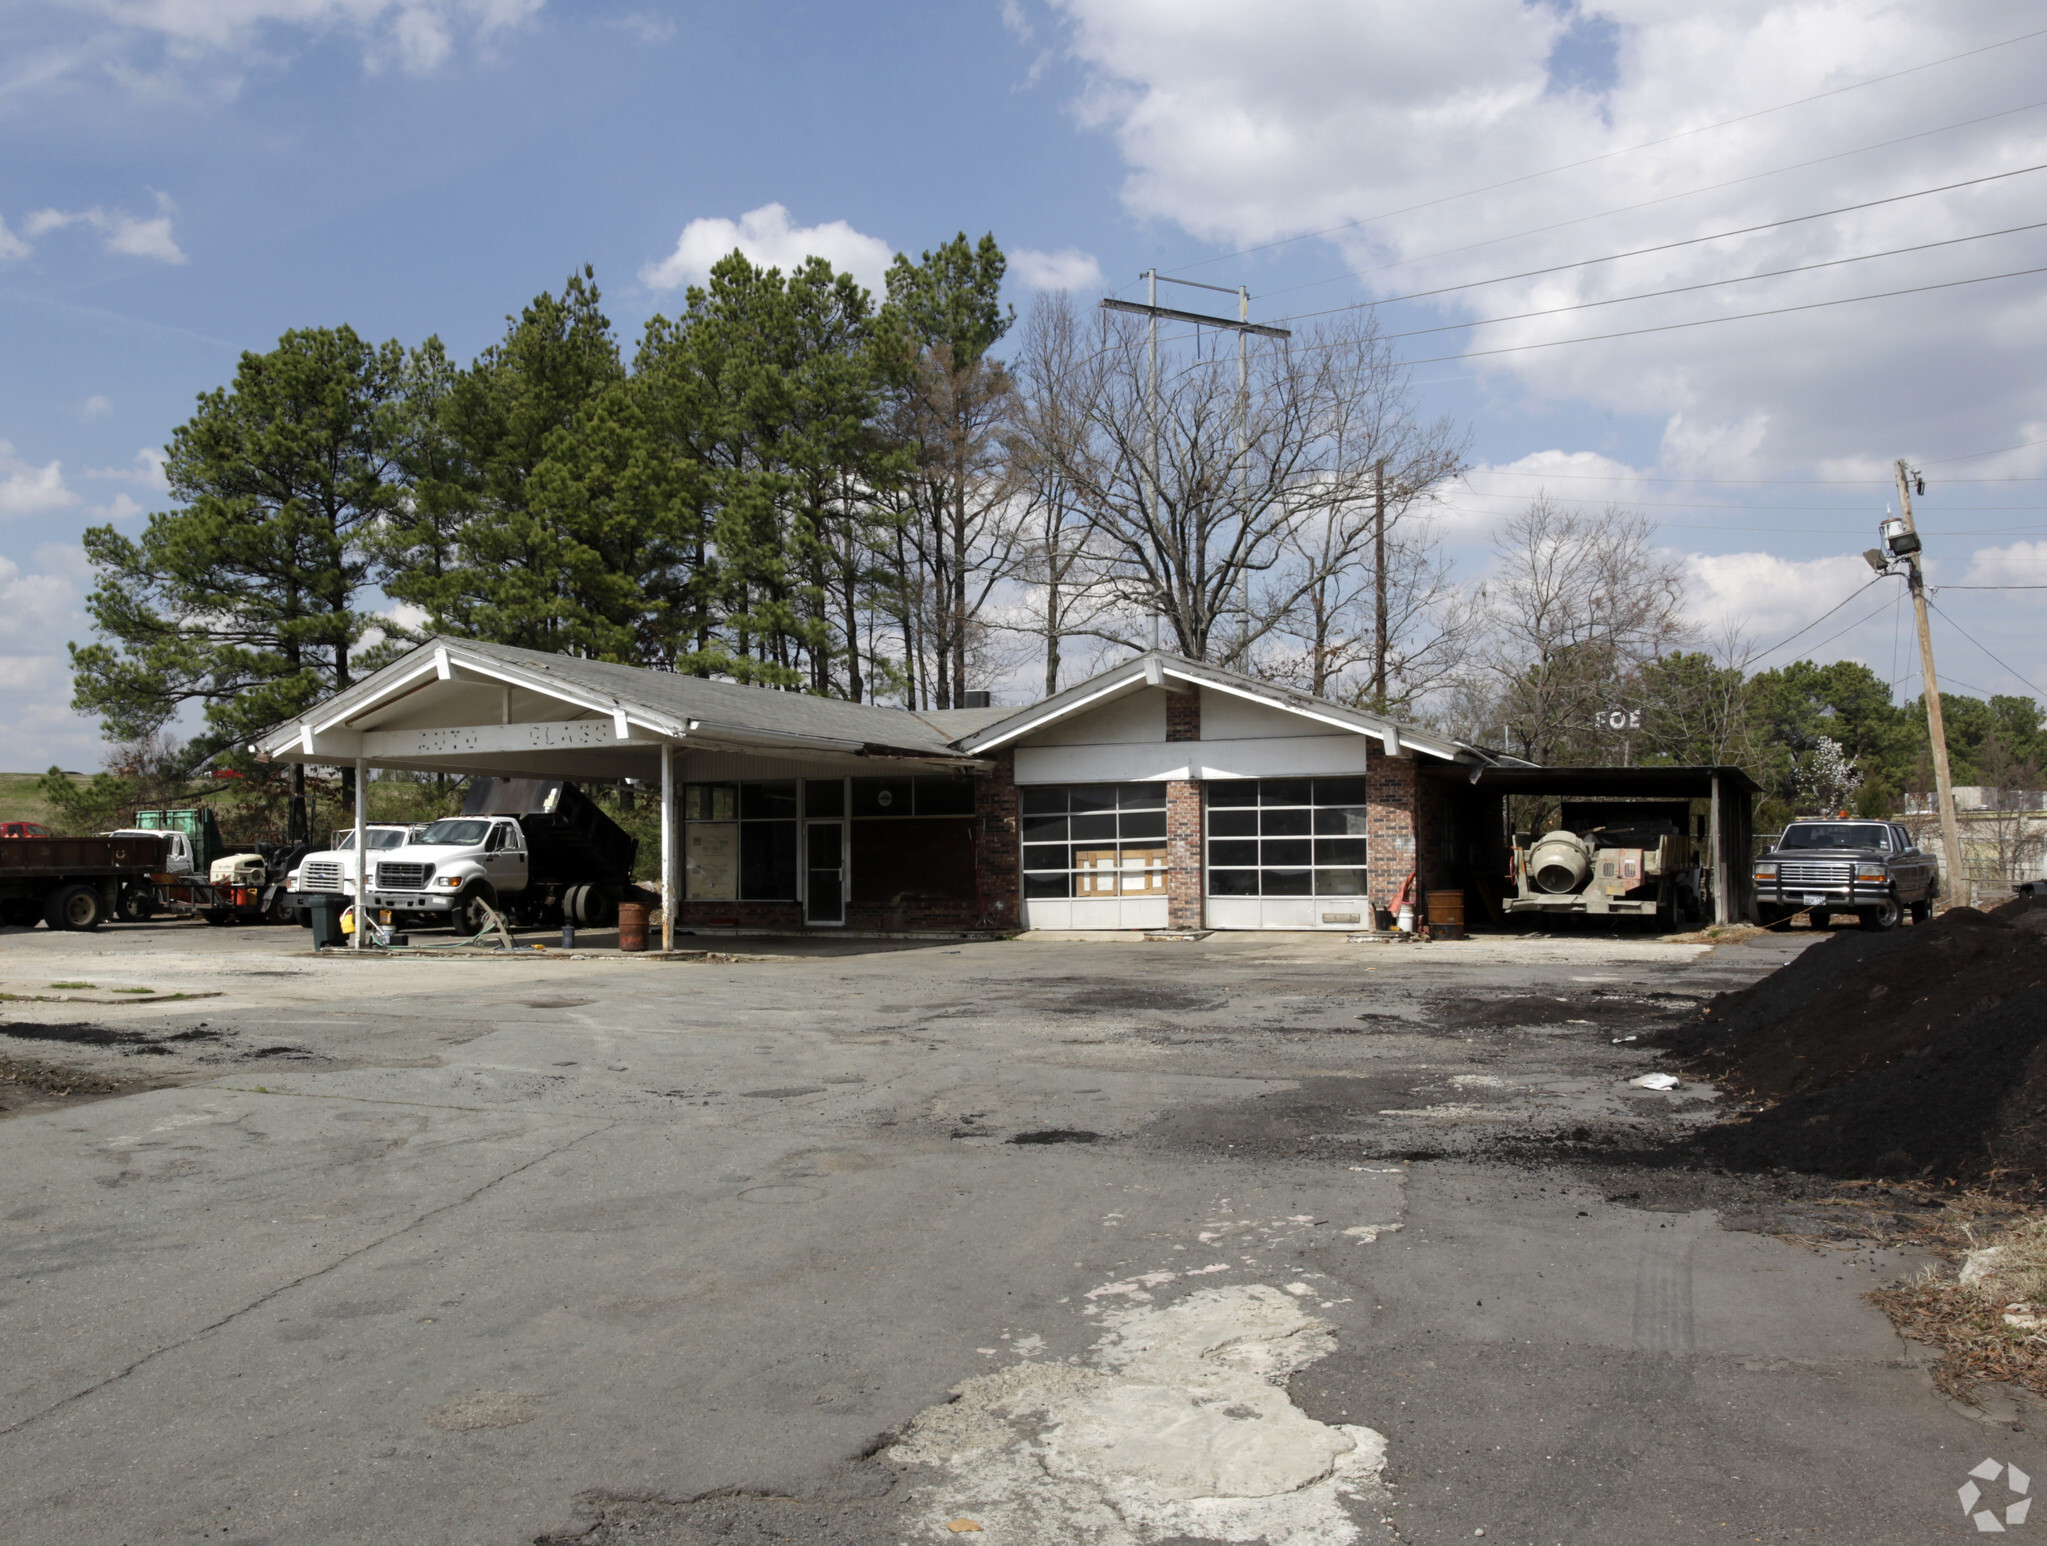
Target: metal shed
(1729,792)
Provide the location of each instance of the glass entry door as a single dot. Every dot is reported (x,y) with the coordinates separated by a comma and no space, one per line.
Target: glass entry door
(824,894)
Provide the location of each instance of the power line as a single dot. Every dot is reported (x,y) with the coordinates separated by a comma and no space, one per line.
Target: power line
(1649,295)
(1609,155)
(1958,628)
(1976,456)
(1743,316)
(1661,199)
(1614,477)
(1809,627)
(1701,504)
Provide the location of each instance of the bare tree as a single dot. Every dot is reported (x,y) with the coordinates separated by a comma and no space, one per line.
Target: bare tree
(1197,492)
(1380,622)
(953,513)
(1576,606)
(1054,559)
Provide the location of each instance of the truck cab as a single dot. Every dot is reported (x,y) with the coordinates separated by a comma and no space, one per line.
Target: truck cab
(1871,869)
(452,868)
(332,869)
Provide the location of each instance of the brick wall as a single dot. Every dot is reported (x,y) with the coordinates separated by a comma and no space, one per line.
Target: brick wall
(1184,908)
(998,871)
(1183,716)
(1390,787)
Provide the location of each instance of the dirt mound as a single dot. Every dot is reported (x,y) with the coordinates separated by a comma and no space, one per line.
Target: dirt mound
(1860,1002)
(1970,1103)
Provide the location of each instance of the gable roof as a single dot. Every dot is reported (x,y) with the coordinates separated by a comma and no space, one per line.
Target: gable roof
(1156,668)
(671,706)
(702,712)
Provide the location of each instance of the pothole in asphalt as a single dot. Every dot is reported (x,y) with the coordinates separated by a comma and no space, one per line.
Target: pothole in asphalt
(783,1196)
(783,1092)
(556,1003)
(1058,1135)
(1132,997)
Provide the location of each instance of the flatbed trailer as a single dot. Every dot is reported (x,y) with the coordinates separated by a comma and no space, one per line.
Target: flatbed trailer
(73,882)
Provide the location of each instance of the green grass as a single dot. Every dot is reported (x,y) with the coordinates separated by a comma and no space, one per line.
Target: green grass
(74,984)
(133,990)
(20,800)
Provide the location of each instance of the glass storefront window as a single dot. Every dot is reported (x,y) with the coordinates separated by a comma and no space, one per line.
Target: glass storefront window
(739,841)
(1292,837)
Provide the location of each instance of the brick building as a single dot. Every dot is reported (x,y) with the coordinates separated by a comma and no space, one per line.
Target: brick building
(1159,794)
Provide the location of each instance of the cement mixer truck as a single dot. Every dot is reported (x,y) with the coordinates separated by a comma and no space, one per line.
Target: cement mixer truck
(1612,859)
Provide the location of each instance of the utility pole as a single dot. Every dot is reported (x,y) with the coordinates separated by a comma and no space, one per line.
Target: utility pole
(1936,727)
(1379,583)
(1240,324)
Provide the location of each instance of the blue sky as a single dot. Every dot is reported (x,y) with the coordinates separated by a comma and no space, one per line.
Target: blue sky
(183,179)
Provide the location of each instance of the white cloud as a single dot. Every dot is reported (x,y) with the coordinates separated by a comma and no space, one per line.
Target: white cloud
(148,471)
(135,236)
(648,27)
(1765,595)
(2021,563)
(1067,269)
(768,239)
(147,41)
(12,246)
(39,609)
(35,607)
(96,407)
(28,490)
(1376,115)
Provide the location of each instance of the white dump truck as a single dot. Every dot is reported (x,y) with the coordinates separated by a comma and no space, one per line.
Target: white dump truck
(537,849)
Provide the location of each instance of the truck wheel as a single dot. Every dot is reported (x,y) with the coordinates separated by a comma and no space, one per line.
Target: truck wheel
(1879,919)
(594,907)
(74,907)
(470,916)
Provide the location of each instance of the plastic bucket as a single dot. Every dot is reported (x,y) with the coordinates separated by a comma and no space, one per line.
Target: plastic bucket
(632,925)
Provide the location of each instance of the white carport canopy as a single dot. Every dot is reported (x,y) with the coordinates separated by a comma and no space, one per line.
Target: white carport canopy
(456,706)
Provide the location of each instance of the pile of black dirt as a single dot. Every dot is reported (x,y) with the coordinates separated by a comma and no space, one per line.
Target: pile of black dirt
(1862,1002)
(1969,1106)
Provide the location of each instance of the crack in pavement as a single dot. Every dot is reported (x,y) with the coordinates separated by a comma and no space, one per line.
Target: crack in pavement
(284,1288)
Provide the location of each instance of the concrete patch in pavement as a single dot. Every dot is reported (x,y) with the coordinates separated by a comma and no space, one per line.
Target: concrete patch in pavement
(1177,1425)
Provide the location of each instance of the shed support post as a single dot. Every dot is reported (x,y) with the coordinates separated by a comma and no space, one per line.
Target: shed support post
(362,858)
(668,887)
(1723,872)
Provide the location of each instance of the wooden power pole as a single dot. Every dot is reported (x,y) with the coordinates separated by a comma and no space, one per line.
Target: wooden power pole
(1379,585)
(1936,727)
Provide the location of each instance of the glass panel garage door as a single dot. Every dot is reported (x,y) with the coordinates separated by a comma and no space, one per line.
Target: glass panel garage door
(1094,856)
(1287,853)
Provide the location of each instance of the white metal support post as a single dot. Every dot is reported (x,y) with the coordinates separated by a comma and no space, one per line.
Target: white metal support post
(667,846)
(362,858)
(1718,864)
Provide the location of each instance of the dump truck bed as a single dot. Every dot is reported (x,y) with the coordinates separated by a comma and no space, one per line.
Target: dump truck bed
(567,837)
(39,858)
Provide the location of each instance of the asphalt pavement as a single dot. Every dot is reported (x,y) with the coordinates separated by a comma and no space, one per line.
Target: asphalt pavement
(1256,1238)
